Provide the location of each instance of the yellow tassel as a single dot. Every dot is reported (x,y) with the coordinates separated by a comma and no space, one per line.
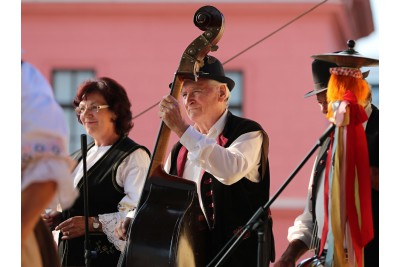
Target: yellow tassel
(336,218)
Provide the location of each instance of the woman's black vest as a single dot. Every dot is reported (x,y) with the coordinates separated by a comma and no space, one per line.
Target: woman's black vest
(104,196)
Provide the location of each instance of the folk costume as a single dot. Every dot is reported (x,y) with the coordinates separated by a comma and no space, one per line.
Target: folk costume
(308,226)
(227,202)
(305,227)
(344,184)
(114,183)
(44,138)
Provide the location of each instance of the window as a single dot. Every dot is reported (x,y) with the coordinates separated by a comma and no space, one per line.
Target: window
(236,99)
(65,84)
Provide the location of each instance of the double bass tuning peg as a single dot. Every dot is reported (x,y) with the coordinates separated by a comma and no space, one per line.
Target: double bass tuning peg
(214,48)
(202,20)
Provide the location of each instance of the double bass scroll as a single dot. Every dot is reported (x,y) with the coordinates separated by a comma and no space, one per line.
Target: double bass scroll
(169,228)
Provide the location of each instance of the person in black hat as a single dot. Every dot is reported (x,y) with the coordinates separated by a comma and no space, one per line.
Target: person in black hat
(306,231)
(226,155)
(320,72)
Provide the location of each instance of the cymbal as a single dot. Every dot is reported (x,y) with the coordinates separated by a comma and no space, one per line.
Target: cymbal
(348,58)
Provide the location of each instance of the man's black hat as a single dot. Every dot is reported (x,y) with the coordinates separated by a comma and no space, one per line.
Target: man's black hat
(321,75)
(213,70)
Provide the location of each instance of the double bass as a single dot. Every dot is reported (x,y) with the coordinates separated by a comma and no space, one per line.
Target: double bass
(169,228)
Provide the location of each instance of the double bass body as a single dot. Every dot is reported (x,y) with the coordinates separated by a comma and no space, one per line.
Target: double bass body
(169,229)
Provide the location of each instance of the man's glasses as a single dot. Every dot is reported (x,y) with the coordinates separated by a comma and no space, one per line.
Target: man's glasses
(81,109)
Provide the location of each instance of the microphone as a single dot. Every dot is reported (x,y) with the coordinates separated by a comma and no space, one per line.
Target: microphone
(83,145)
(88,254)
(326,134)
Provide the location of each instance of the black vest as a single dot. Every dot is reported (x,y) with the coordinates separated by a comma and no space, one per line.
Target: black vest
(371,251)
(104,196)
(231,206)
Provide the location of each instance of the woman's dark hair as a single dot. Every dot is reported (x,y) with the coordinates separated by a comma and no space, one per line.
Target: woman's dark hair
(115,96)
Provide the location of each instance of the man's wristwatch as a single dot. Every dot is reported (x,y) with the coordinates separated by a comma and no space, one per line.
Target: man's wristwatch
(96,222)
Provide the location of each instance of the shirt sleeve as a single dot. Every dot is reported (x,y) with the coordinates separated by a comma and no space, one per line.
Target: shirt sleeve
(44,138)
(131,175)
(303,226)
(230,164)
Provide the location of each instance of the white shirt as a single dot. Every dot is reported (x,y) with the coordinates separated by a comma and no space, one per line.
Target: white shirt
(130,175)
(227,165)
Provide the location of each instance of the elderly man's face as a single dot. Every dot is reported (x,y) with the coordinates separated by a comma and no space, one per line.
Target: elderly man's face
(202,99)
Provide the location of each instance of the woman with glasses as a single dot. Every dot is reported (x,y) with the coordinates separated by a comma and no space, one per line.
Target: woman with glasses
(116,171)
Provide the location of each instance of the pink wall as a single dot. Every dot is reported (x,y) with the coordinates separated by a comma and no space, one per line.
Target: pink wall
(140,45)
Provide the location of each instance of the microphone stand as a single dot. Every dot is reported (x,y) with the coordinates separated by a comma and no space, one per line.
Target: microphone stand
(88,253)
(256,221)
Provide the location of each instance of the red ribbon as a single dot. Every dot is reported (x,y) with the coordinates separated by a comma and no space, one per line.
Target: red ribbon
(357,164)
(326,198)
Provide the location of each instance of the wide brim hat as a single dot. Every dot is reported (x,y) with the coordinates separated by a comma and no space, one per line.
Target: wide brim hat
(348,58)
(321,75)
(318,88)
(213,70)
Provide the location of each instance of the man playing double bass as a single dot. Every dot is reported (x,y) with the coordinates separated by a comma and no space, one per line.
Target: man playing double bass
(226,155)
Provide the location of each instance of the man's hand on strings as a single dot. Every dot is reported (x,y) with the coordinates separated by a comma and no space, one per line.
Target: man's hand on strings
(170,113)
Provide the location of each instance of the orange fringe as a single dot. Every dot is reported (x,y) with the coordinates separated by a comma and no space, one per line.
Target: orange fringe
(337,86)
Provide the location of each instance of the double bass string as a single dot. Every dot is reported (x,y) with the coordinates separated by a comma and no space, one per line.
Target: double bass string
(253,45)
(144,111)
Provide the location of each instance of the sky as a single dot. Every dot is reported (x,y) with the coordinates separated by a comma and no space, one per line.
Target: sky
(389,137)
(386,23)
(369,46)
(383,44)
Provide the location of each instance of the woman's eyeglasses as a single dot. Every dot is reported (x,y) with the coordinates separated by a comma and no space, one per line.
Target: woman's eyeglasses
(81,109)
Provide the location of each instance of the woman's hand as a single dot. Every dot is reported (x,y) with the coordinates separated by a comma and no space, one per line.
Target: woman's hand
(73,227)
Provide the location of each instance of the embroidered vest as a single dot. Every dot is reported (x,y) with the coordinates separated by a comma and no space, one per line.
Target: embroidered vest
(104,196)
